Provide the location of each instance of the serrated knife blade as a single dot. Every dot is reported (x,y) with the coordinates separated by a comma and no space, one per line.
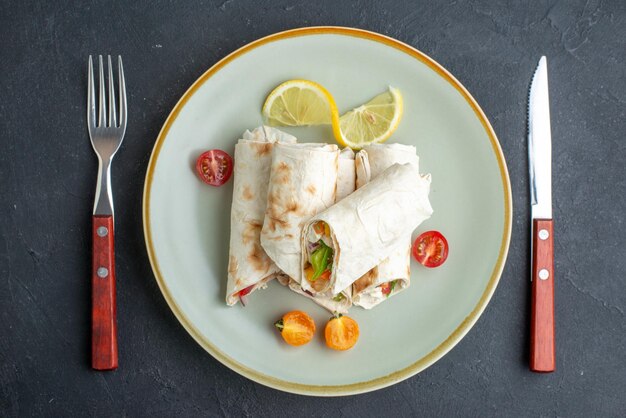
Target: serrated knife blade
(540,144)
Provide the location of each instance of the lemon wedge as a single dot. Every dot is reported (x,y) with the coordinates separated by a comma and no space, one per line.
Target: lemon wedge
(305,102)
(300,103)
(373,122)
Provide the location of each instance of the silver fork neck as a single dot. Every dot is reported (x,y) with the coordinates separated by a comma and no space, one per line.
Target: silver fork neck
(103,204)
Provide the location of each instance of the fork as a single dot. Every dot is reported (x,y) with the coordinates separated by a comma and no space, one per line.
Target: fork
(106,135)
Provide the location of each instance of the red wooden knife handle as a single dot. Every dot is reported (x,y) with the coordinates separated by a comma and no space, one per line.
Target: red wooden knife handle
(103,310)
(542,342)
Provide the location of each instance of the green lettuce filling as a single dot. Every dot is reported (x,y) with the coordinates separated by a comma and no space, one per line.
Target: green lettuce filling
(320,260)
(339,297)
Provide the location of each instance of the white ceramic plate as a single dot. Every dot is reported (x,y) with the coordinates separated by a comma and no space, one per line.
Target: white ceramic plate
(186,223)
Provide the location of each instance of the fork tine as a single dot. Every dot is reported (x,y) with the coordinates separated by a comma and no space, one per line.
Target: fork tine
(112,120)
(91,97)
(102,98)
(122,93)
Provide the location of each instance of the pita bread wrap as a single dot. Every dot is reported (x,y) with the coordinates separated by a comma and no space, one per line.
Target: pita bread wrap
(346,184)
(361,230)
(346,180)
(302,182)
(393,274)
(248,264)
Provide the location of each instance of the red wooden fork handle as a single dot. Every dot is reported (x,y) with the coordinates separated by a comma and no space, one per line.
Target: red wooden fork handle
(542,343)
(103,310)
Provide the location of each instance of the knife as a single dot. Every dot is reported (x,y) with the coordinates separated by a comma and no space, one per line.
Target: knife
(542,341)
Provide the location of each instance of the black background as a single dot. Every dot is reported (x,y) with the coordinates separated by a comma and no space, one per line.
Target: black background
(47,175)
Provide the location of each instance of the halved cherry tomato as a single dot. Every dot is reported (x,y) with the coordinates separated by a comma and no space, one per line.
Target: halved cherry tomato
(242,294)
(430,249)
(318,227)
(321,227)
(214,167)
(341,332)
(296,328)
(245,291)
(385,288)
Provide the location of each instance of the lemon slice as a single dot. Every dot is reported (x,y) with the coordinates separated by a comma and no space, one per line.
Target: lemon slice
(299,103)
(371,123)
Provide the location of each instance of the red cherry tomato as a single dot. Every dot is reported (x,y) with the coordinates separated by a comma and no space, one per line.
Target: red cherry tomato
(214,167)
(245,291)
(430,249)
(243,294)
(385,288)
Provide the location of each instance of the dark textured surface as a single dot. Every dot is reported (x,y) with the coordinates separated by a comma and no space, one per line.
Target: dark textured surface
(47,174)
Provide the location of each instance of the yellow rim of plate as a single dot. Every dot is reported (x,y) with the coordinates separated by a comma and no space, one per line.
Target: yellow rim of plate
(382,381)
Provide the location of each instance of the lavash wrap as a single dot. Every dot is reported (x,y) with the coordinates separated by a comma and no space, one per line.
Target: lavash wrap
(346,179)
(373,160)
(346,184)
(248,264)
(365,226)
(302,182)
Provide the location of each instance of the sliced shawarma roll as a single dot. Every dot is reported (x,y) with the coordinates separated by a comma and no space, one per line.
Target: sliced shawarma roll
(249,267)
(342,243)
(346,184)
(302,182)
(393,274)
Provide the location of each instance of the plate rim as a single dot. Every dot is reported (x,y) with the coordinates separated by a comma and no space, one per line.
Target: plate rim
(381,381)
